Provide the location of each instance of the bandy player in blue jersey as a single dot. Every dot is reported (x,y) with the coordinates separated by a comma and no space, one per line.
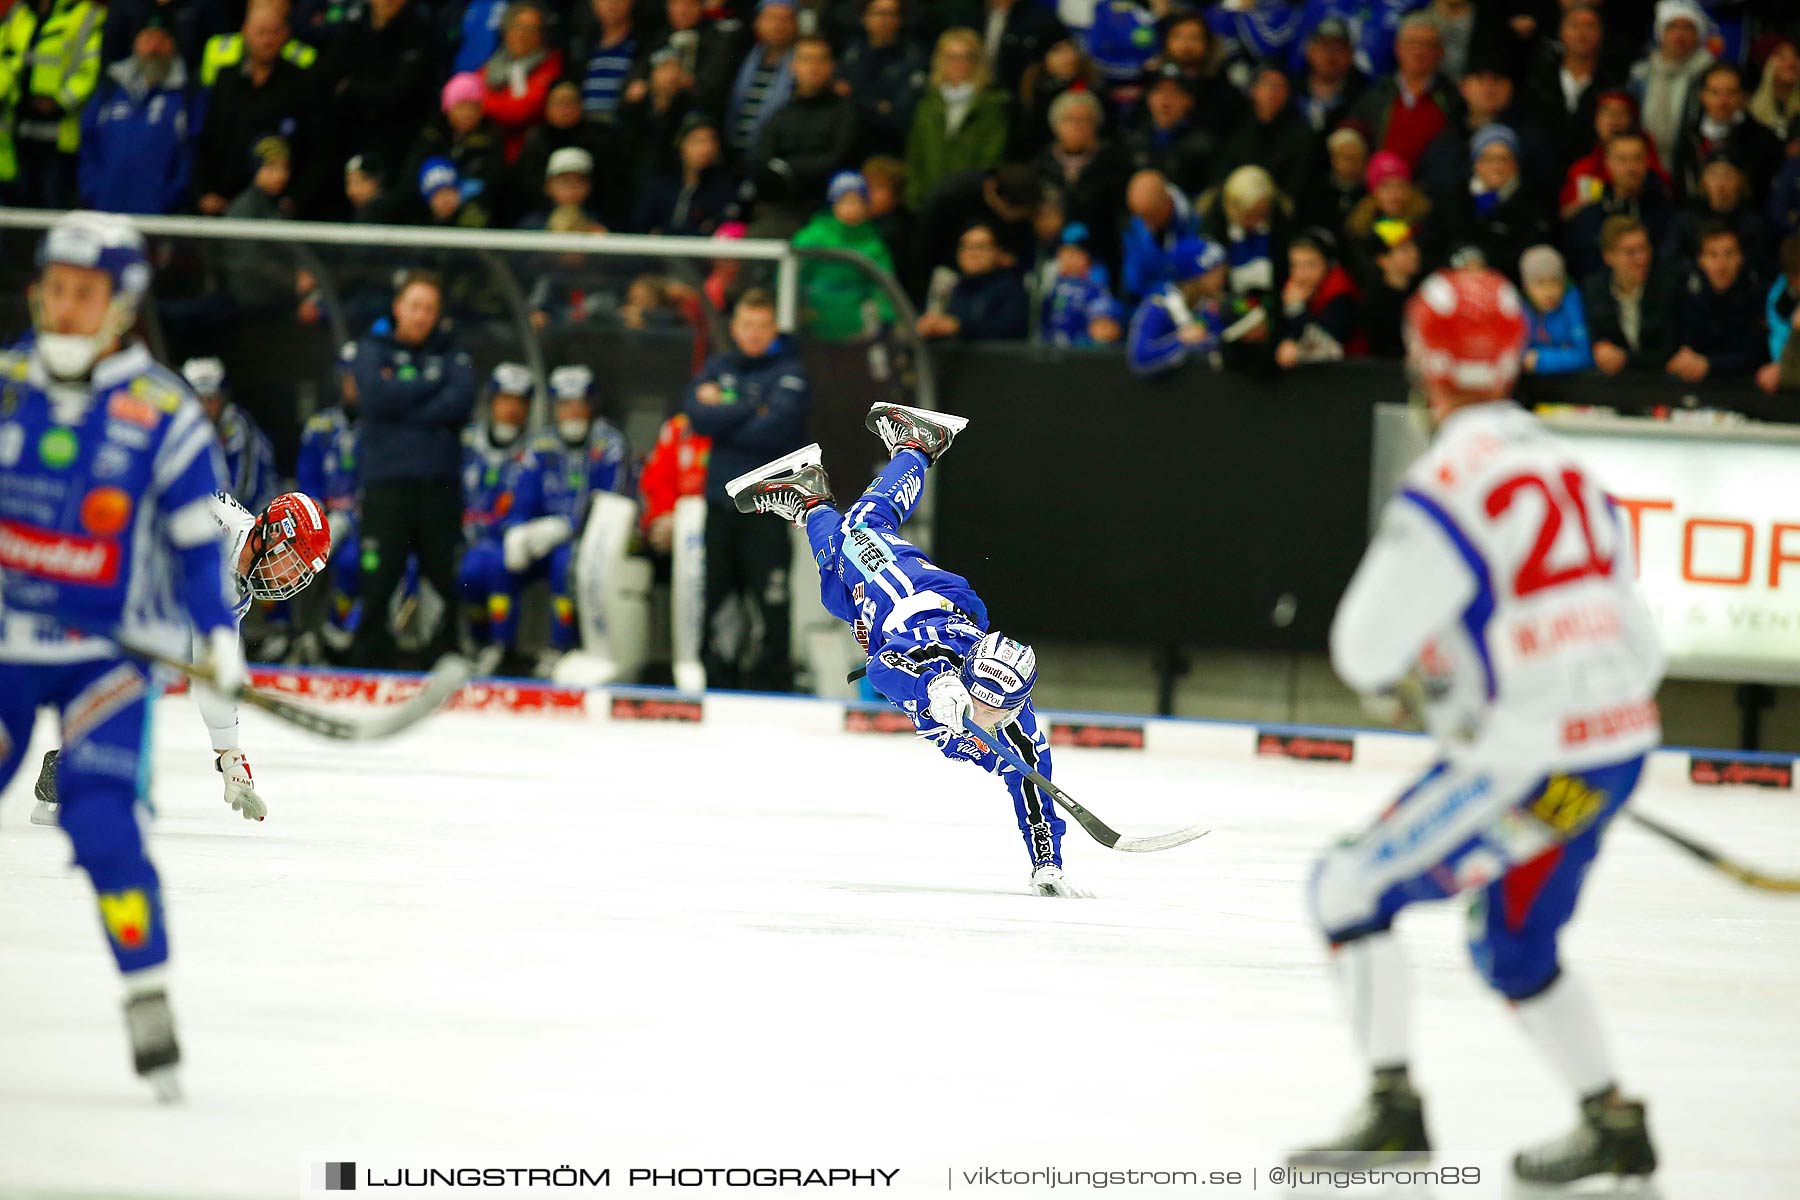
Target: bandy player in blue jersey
(923,628)
(108,467)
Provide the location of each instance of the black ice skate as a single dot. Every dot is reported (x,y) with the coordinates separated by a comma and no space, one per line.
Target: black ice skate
(154,1051)
(1389,1130)
(1612,1139)
(44,811)
(787,487)
(903,428)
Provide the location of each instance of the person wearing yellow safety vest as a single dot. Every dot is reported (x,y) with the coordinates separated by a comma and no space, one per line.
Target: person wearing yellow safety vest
(263,95)
(226,50)
(49,67)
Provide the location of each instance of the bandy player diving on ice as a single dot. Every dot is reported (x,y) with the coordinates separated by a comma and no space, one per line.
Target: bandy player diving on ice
(923,628)
(1499,601)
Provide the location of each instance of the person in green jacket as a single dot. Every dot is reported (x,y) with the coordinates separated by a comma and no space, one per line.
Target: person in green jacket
(960,123)
(49,68)
(839,296)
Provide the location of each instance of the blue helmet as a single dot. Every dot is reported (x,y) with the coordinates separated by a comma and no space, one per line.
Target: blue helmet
(1000,672)
(102,242)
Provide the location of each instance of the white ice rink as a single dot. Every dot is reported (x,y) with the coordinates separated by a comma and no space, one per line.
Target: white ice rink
(505,940)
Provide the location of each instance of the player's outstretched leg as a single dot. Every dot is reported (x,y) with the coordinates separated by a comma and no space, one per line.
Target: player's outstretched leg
(788,487)
(44,811)
(902,428)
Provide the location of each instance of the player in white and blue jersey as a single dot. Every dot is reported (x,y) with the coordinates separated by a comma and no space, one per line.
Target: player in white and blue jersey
(108,466)
(924,629)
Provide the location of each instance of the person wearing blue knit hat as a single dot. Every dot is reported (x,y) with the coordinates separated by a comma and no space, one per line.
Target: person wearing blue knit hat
(1185,317)
(1077,308)
(448,198)
(1499,216)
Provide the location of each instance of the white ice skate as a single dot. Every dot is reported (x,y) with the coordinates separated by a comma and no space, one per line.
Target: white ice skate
(787,487)
(902,427)
(1048,880)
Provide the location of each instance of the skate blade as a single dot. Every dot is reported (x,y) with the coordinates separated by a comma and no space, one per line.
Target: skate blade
(164,1084)
(806,456)
(953,423)
(43,814)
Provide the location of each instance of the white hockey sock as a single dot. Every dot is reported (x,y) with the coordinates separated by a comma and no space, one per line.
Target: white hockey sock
(1372,972)
(1564,1025)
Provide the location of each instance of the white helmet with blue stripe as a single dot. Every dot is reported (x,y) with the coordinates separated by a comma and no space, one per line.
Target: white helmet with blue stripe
(1000,673)
(96,242)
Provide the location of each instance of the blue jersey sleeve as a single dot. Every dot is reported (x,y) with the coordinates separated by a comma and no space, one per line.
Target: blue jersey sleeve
(1154,345)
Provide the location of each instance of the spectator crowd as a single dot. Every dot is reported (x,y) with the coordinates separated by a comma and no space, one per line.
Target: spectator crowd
(1271,177)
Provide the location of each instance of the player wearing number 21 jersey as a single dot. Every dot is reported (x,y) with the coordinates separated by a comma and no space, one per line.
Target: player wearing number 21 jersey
(1499,599)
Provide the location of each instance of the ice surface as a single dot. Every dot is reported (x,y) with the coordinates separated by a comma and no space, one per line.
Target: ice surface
(539,941)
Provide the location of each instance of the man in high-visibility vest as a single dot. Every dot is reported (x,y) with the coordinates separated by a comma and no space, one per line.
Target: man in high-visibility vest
(263,94)
(49,67)
(226,51)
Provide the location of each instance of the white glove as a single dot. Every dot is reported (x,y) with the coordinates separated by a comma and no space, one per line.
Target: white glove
(225,659)
(524,544)
(339,524)
(240,788)
(950,704)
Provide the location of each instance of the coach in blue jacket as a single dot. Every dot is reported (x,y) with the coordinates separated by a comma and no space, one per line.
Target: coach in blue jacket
(139,131)
(753,402)
(415,390)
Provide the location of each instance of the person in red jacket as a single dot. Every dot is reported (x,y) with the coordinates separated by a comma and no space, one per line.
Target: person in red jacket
(675,468)
(518,78)
(1318,320)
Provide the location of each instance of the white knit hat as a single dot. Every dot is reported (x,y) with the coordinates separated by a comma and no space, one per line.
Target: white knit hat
(1680,10)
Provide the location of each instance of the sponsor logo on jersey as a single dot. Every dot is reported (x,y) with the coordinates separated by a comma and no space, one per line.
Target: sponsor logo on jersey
(165,397)
(110,462)
(132,409)
(629,708)
(60,557)
(1568,805)
(127,917)
(868,553)
(1088,734)
(128,435)
(1610,723)
(1306,747)
(1725,770)
(106,511)
(57,448)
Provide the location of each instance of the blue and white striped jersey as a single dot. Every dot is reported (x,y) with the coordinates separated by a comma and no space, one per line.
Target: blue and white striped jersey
(106,523)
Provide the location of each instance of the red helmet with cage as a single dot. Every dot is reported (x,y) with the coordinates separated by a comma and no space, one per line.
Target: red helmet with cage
(292,542)
(1465,330)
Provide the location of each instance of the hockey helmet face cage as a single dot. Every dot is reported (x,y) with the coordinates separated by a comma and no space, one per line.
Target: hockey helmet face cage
(95,242)
(291,543)
(1000,673)
(1465,331)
